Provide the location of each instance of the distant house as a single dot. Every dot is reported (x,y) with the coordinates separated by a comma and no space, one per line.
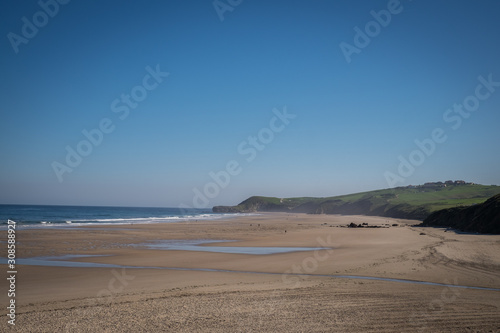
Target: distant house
(439,184)
(433,184)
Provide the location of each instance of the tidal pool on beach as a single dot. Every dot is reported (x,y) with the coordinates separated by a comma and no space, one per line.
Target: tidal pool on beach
(61,261)
(197,245)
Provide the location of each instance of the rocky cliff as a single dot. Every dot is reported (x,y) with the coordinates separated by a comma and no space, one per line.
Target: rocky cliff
(410,202)
(482,218)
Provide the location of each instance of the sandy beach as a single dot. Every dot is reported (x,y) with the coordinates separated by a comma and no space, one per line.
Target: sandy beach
(303,291)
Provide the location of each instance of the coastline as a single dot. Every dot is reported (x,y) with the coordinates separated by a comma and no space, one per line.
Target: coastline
(50,217)
(397,252)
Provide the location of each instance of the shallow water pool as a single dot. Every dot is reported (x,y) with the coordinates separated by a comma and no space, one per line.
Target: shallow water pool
(60,261)
(198,245)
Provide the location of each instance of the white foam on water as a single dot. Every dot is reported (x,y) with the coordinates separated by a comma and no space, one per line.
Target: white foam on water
(129,221)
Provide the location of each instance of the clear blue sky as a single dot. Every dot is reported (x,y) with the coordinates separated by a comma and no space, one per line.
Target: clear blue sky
(353,119)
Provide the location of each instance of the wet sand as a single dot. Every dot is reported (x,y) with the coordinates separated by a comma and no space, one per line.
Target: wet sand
(68,299)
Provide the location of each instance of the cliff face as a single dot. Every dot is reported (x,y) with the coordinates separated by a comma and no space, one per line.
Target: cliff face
(254,204)
(410,202)
(483,218)
(363,206)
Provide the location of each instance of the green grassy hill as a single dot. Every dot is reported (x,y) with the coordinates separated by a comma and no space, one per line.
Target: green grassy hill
(411,202)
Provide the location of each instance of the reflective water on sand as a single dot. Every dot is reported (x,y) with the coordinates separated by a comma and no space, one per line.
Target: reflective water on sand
(61,261)
(197,245)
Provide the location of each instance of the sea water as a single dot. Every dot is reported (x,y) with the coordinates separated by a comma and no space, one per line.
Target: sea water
(67,216)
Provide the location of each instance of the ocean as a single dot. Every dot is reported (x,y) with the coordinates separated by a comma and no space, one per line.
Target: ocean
(34,216)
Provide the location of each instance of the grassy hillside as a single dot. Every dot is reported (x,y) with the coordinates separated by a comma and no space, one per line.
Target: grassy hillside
(416,202)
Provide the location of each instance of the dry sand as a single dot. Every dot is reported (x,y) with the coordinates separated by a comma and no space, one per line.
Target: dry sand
(62,299)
